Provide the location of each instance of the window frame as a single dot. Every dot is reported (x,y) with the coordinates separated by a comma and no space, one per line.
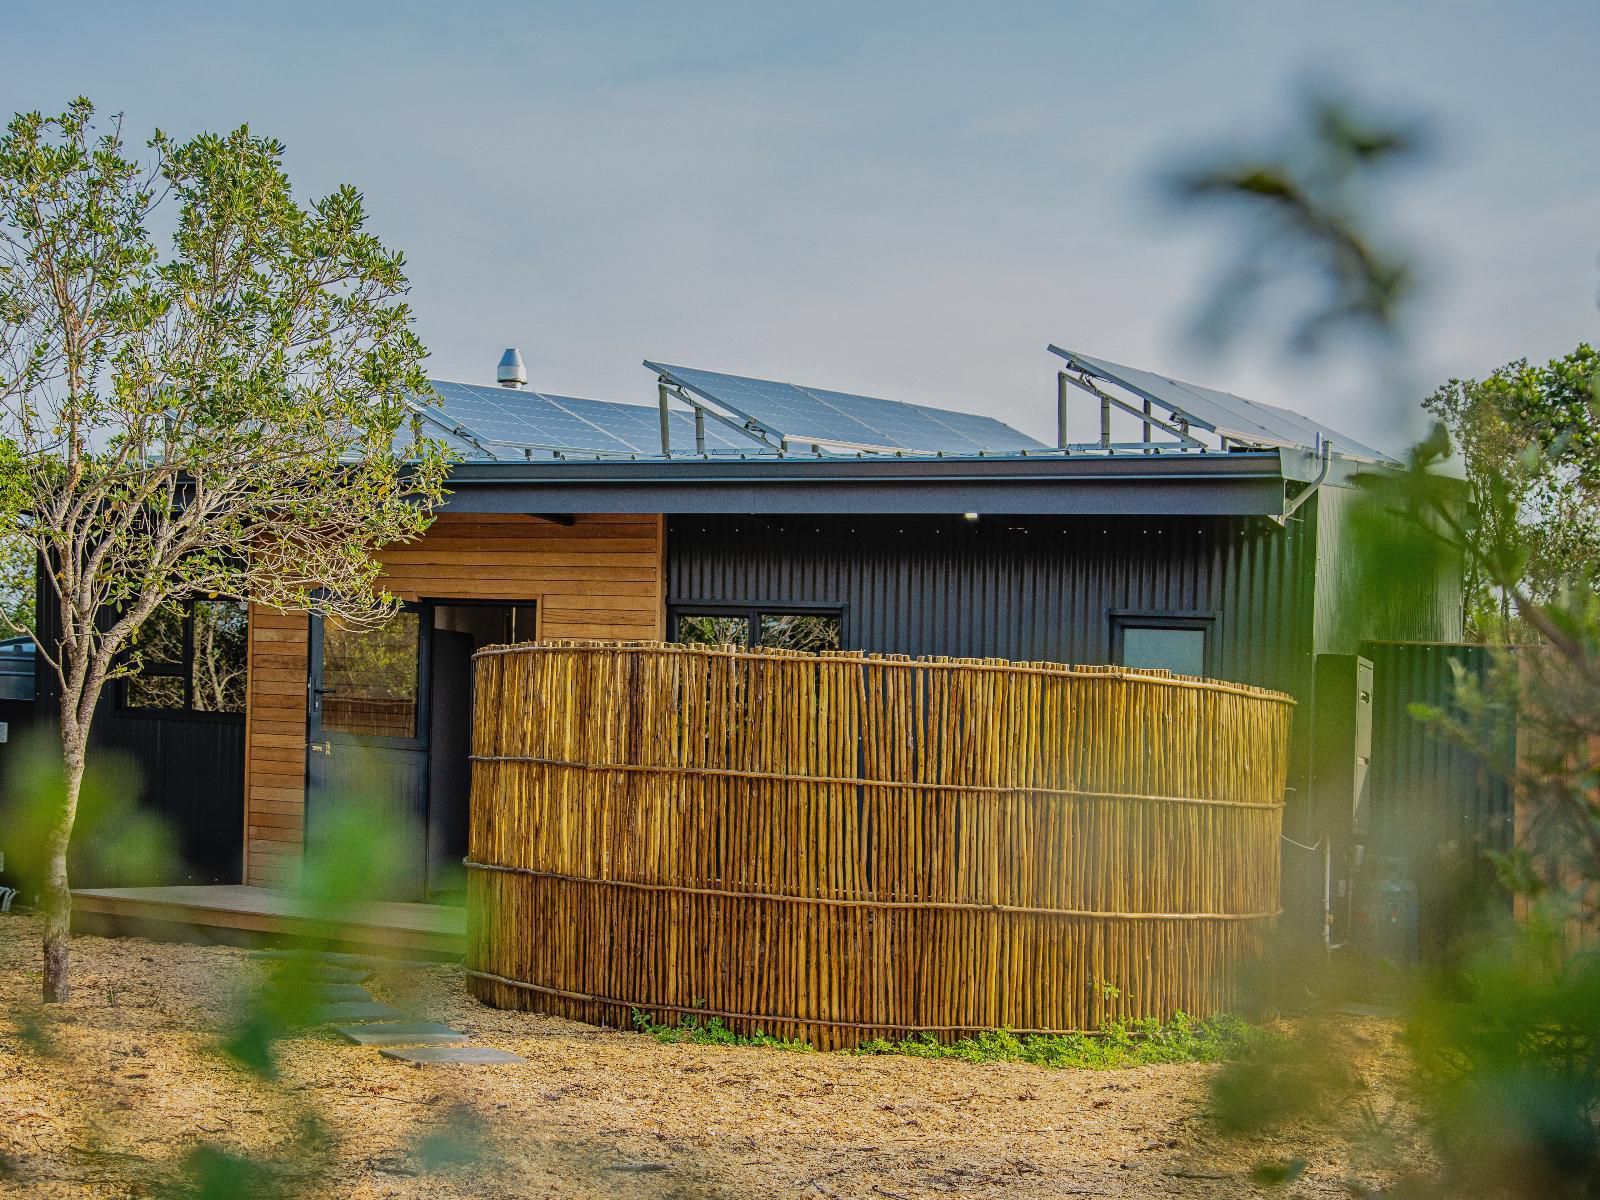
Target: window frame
(182,670)
(753,612)
(1203,620)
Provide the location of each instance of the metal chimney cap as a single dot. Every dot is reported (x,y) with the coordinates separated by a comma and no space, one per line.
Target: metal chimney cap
(511,373)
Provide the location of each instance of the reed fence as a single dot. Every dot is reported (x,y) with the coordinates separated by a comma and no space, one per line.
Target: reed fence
(840,846)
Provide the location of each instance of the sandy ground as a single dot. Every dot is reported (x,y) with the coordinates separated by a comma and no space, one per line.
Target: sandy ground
(131,1082)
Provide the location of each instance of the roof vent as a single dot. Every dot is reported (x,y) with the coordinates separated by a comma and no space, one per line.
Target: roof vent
(511,373)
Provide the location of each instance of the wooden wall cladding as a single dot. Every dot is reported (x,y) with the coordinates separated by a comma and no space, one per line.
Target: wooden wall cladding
(601,576)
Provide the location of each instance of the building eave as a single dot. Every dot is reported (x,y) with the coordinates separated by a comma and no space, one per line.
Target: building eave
(1235,484)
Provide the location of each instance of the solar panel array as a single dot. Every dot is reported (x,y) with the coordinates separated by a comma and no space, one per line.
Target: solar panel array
(1224,413)
(496,422)
(805,414)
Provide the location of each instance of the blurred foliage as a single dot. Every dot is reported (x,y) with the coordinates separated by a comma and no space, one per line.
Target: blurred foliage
(1306,253)
(353,860)
(119,844)
(1503,1028)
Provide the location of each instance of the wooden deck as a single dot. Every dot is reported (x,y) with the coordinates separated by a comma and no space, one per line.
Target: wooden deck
(235,913)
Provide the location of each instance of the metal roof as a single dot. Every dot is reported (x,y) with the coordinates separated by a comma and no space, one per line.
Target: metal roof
(1245,422)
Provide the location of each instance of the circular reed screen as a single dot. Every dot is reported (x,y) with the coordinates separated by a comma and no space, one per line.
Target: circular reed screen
(837,847)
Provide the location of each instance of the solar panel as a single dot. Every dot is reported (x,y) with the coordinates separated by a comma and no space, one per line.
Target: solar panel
(521,417)
(495,422)
(802,414)
(1223,413)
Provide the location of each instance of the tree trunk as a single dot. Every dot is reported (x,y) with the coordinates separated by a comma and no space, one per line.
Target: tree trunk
(57,891)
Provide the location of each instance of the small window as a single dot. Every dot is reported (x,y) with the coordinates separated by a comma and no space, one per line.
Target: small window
(369,677)
(1182,651)
(713,629)
(191,658)
(1176,642)
(16,669)
(800,631)
(793,629)
(217,665)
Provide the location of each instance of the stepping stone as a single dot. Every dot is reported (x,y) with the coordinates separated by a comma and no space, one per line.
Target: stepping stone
(340,958)
(462,1055)
(328,993)
(403,1033)
(362,1011)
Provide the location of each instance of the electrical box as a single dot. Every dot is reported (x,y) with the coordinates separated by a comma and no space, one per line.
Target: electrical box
(1343,755)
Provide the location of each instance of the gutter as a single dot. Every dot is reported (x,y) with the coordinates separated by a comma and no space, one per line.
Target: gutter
(1292,506)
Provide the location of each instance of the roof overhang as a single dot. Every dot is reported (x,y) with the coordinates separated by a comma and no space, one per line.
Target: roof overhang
(1242,483)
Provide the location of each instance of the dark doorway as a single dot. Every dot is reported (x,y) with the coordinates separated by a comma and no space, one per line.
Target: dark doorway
(459,630)
(390,723)
(367,730)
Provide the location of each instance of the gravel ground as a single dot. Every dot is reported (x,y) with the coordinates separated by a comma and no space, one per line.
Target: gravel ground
(104,1095)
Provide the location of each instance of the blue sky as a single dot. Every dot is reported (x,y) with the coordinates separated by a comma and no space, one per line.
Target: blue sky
(904,200)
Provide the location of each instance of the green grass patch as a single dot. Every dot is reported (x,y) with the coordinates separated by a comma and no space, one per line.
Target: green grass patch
(713,1033)
(1120,1044)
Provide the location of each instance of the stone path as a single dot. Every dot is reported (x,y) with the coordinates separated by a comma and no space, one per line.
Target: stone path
(359,1017)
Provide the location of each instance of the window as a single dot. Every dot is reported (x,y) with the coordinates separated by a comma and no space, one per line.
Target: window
(785,629)
(369,677)
(191,658)
(1176,642)
(713,629)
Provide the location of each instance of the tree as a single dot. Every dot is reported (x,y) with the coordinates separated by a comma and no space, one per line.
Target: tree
(1530,440)
(220,412)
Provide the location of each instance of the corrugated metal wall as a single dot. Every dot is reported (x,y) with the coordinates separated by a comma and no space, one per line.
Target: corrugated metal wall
(1377,579)
(1014,588)
(191,769)
(1430,796)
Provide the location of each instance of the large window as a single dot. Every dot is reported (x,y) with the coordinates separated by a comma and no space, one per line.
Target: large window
(1177,642)
(192,658)
(783,628)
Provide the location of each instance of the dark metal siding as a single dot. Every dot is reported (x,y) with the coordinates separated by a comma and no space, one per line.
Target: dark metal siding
(1036,588)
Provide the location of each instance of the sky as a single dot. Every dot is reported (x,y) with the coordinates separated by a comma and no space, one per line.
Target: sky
(899,200)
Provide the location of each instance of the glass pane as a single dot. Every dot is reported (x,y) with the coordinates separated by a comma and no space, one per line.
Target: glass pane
(155,691)
(800,631)
(1180,650)
(711,630)
(219,656)
(160,638)
(369,678)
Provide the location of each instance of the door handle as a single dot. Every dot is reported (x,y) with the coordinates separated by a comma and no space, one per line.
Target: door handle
(325,747)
